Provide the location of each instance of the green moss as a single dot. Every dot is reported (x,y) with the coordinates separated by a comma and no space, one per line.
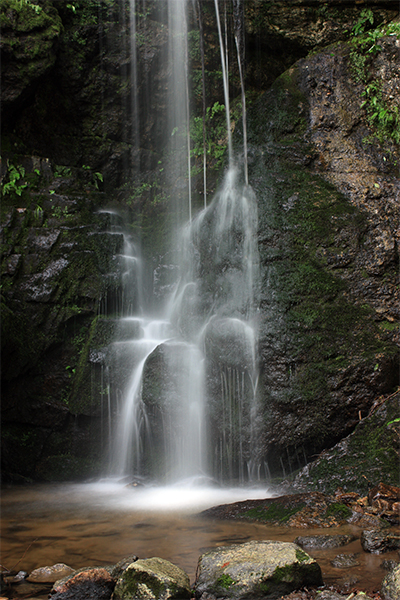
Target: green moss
(284,574)
(382,115)
(274,512)
(302,556)
(338,510)
(224,581)
(372,450)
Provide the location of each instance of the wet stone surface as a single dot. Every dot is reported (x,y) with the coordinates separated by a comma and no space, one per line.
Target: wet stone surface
(345,561)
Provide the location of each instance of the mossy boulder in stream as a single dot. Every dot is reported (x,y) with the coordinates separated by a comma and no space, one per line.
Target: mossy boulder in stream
(152,579)
(253,570)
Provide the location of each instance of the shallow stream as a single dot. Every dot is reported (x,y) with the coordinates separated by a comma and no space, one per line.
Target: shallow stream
(101,523)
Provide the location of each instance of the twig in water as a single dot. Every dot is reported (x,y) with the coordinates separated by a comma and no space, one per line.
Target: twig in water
(23,556)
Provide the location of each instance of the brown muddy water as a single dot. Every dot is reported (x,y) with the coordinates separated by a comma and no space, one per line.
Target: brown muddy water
(101,523)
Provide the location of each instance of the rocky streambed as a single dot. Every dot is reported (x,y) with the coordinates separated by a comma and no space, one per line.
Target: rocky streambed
(323,529)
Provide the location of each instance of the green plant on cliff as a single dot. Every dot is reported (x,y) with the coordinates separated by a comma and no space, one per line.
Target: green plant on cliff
(382,117)
(19,5)
(16,183)
(366,16)
(215,135)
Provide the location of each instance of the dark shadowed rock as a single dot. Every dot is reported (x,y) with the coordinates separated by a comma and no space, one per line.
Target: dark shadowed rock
(89,584)
(122,565)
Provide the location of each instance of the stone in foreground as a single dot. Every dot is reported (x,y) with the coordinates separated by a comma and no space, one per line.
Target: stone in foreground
(50,574)
(391,585)
(255,570)
(87,584)
(152,579)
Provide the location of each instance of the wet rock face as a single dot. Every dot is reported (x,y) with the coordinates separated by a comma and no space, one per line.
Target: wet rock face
(329,301)
(59,261)
(362,172)
(283,32)
(325,255)
(30,35)
(373,447)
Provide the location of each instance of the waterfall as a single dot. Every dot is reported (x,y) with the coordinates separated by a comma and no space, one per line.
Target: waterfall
(186,390)
(134,86)
(225,83)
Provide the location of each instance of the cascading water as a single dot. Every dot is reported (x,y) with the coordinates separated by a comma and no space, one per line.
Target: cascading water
(189,406)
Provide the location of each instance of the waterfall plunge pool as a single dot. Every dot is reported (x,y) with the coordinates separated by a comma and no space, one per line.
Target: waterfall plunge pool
(95,524)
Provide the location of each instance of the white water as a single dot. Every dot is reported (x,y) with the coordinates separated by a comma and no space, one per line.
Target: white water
(189,406)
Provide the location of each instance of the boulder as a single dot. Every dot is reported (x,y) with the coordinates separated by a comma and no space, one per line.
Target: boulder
(391,585)
(122,565)
(266,569)
(50,574)
(87,584)
(152,579)
(378,541)
(384,498)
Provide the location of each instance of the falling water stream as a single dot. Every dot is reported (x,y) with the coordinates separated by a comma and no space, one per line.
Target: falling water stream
(189,406)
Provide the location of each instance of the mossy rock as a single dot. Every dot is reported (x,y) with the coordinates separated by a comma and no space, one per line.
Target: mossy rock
(255,570)
(367,456)
(29,35)
(152,579)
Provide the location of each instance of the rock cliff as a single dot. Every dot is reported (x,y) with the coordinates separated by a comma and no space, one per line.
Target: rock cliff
(323,161)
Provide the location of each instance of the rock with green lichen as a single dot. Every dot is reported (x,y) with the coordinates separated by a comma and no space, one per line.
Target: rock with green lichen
(328,332)
(152,579)
(361,459)
(252,570)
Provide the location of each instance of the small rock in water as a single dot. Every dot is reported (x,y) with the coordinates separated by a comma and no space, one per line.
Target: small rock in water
(20,576)
(388,565)
(321,542)
(50,574)
(379,541)
(345,561)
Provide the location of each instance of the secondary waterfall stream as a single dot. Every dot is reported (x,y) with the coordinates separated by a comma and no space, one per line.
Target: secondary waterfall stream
(189,406)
